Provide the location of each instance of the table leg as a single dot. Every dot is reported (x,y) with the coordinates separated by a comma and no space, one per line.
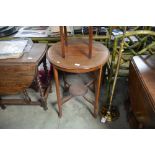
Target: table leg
(90,28)
(2,105)
(43,99)
(65,31)
(46,70)
(50,78)
(47,78)
(26,97)
(62,41)
(97,91)
(58,90)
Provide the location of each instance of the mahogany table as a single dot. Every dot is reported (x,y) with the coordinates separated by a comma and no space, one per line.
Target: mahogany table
(16,75)
(77,60)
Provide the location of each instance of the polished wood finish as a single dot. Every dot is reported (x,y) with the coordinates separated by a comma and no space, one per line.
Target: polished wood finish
(90,40)
(58,90)
(142,91)
(65,33)
(97,91)
(16,75)
(64,40)
(16,78)
(77,61)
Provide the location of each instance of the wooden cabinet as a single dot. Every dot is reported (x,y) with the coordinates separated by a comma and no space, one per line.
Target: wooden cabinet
(142,91)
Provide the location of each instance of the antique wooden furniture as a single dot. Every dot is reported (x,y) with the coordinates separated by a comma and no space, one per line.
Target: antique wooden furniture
(78,56)
(142,92)
(16,75)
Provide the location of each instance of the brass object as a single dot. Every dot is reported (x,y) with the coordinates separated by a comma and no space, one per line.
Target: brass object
(110,115)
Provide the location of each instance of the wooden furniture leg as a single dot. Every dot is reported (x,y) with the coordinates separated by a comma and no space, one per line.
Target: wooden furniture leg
(58,90)
(90,40)
(48,80)
(62,41)
(2,105)
(26,97)
(65,31)
(97,91)
(43,98)
(46,70)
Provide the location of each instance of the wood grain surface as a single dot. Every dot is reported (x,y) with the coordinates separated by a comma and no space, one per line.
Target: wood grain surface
(18,74)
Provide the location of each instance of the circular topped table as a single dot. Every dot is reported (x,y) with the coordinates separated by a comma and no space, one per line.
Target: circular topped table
(77,61)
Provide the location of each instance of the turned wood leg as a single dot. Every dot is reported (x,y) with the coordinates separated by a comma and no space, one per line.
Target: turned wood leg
(47,78)
(46,70)
(97,91)
(43,99)
(26,97)
(50,78)
(58,91)
(2,105)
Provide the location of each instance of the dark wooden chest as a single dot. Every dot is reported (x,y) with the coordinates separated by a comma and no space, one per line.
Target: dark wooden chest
(142,90)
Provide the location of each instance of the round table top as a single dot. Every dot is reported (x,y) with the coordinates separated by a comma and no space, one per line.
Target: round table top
(77,55)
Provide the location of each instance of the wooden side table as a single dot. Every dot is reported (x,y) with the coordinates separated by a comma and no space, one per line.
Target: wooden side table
(16,75)
(77,61)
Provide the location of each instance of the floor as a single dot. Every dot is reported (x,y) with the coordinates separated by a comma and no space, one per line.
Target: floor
(76,112)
